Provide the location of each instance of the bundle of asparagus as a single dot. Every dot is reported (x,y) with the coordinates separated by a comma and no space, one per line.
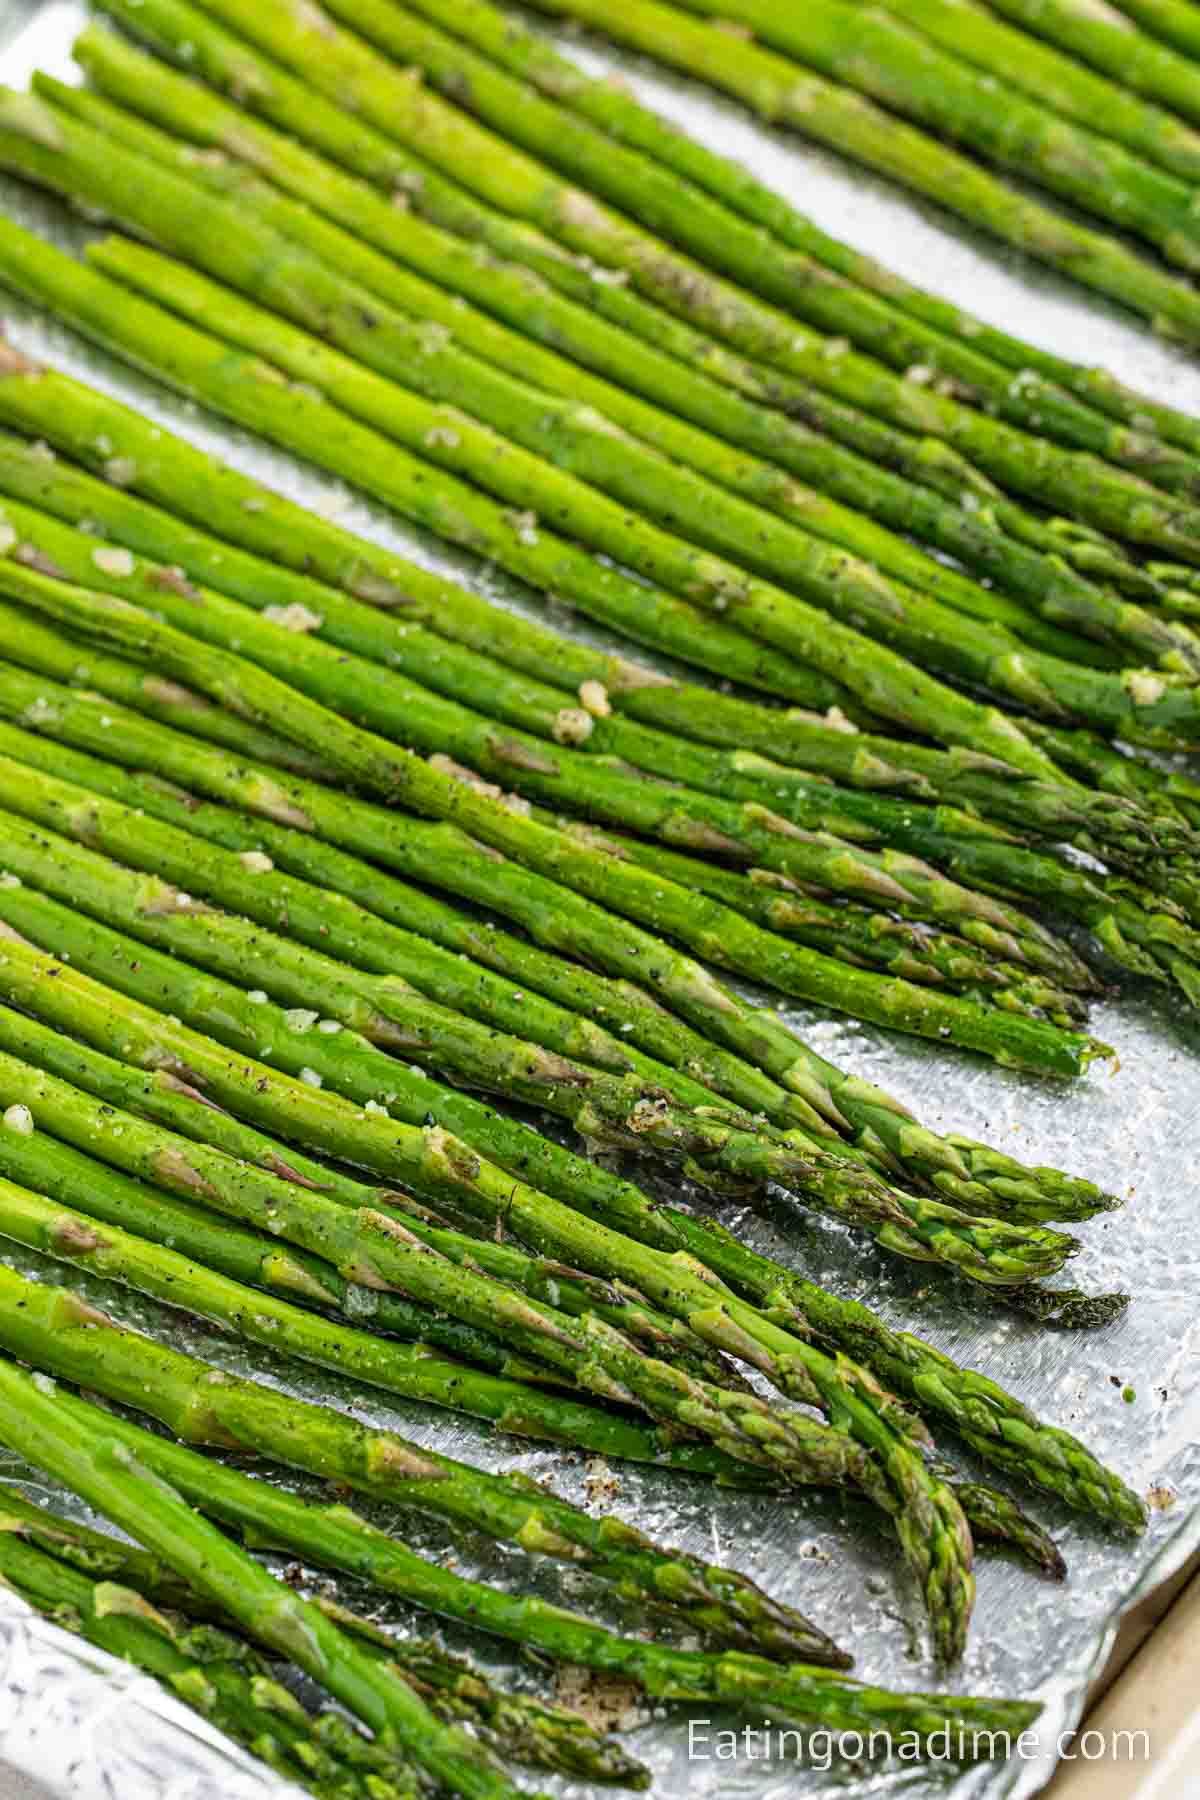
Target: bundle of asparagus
(847,119)
(132,1605)
(113,1464)
(266,790)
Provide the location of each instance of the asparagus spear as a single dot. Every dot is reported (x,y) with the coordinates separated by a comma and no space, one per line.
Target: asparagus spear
(763,795)
(1150,943)
(613,1110)
(850,932)
(1050,586)
(311,1280)
(68,1176)
(91,163)
(847,121)
(228,64)
(995,1424)
(104,1473)
(1145,706)
(1168,21)
(785,448)
(488,641)
(517,184)
(1051,1457)
(795,280)
(219,1675)
(71,1234)
(968,1173)
(955,338)
(380,1250)
(51,1563)
(301,421)
(816,1695)
(877,55)
(374,763)
(932,1531)
(1063,85)
(1105,40)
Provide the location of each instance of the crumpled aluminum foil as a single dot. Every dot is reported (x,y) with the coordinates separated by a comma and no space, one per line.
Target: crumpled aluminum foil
(1134,1132)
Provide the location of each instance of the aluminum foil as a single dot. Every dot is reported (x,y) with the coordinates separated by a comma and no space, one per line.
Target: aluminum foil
(1131,1392)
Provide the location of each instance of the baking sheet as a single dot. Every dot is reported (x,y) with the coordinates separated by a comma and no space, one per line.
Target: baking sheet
(1135,1132)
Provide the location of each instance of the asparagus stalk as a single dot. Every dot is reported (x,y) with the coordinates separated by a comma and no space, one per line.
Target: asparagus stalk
(449,858)
(209,1670)
(751,800)
(442,856)
(302,422)
(165,25)
(103,1472)
(795,280)
(52,1563)
(1054,589)
(878,56)
(503,1507)
(911,1151)
(311,1280)
(132,189)
(932,1530)
(517,184)
(1148,942)
(618,1111)
(817,1695)
(74,1178)
(488,641)
(1168,21)
(72,1235)
(386,1254)
(1108,42)
(847,121)
(374,763)
(1053,1458)
(851,933)
(1145,706)
(956,339)
(1058,82)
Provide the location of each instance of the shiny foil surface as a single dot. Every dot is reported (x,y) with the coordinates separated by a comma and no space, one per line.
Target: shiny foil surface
(90,1728)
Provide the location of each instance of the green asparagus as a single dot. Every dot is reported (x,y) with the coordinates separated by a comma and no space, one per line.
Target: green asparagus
(819,1696)
(169,1093)
(71,1234)
(847,121)
(1105,40)
(376,764)
(911,1151)
(871,51)
(488,637)
(400,108)
(752,800)
(50,1562)
(621,1112)
(165,24)
(931,1527)
(243,388)
(823,583)
(217,1674)
(1167,20)
(1051,587)
(102,1471)
(1063,85)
